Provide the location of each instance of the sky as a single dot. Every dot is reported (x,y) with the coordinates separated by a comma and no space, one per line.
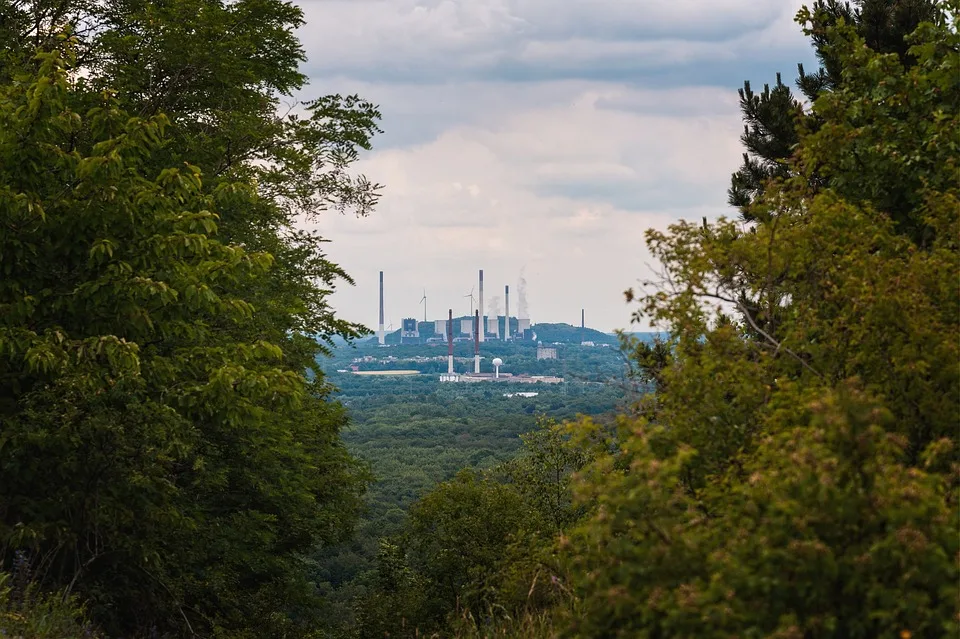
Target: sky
(536,139)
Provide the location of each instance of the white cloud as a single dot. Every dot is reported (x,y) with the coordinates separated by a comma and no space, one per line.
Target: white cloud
(542,134)
(479,196)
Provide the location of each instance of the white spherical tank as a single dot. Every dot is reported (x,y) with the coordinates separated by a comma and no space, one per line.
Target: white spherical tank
(497,362)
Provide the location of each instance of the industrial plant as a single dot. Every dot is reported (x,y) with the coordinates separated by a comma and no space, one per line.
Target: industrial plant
(492,326)
(477,328)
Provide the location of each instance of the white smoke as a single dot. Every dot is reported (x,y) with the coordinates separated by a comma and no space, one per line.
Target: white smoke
(522,310)
(493,309)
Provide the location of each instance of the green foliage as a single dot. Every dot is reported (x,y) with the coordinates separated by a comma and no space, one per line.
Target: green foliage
(416,433)
(830,287)
(163,453)
(542,473)
(458,534)
(772,117)
(476,553)
(795,475)
(397,603)
(565,333)
(824,531)
(26,612)
(574,362)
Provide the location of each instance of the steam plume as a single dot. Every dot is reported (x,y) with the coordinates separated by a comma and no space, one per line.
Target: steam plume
(493,310)
(522,310)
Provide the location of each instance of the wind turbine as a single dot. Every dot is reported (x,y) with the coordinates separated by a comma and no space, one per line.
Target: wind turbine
(423,300)
(472,298)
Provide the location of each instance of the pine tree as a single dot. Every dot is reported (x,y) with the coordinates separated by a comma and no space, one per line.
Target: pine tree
(772,117)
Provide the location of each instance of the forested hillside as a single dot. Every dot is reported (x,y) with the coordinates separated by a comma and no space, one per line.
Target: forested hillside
(415,432)
(184,452)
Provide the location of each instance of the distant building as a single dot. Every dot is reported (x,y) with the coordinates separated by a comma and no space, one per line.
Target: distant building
(409,331)
(546,352)
(409,328)
(533,379)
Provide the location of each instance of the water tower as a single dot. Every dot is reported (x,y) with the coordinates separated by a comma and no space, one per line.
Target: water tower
(497,362)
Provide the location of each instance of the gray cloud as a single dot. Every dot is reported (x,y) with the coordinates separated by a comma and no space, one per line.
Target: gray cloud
(536,134)
(524,40)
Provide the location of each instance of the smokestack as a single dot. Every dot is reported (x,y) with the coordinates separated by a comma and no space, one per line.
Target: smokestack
(450,343)
(381,336)
(506,319)
(477,334)
(483,328)
(583,323)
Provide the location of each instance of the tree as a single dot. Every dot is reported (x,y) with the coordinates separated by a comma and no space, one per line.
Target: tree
(824,532)
(796,476)
(395,604)
(164,454)
(542,473)
(772,117)
(458,535)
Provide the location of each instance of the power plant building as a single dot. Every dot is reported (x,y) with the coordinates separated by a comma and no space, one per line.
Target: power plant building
(546,352)
(409,332)
(409,328)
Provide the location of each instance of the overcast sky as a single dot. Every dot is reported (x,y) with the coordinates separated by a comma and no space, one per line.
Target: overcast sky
(537,136)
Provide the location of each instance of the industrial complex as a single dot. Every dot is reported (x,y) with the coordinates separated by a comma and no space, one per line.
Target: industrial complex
(498,327)
(477,329)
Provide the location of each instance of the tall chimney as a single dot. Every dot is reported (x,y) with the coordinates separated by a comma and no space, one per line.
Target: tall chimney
(506,319)
(381,337)
(477,335)
(450,343)
(583,324)
(483,327)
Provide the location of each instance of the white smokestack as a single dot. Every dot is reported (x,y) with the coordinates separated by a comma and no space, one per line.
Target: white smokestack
(506,319)
(477,333)
(483,325)
(381,335)
(450,343)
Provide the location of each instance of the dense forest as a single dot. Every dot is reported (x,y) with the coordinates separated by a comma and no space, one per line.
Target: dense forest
(180,457)
(414,433)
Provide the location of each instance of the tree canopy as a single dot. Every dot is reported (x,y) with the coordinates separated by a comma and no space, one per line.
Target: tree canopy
(794,474)
(165,454)
(773,116)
